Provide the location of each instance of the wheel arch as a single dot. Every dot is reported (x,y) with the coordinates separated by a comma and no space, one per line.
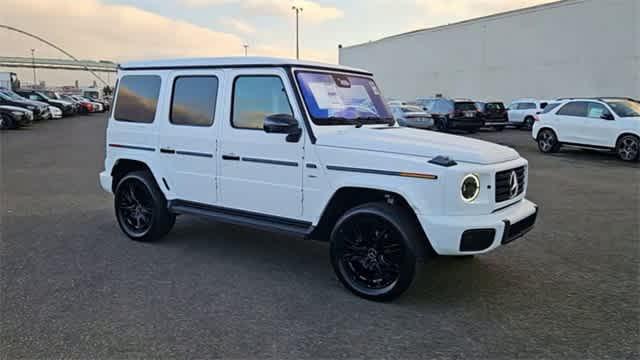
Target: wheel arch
(123,166)
(624,133)
(348,197)
(546,127)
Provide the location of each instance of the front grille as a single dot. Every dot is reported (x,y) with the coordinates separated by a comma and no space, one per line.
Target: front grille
(504,189)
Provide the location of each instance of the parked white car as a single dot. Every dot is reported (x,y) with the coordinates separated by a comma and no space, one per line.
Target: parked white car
(522,112)
(411,116)
(605,123)
(309,150)
(55,112)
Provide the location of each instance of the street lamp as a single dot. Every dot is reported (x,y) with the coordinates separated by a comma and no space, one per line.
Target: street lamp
(298,10)
(33,63)
(246,46)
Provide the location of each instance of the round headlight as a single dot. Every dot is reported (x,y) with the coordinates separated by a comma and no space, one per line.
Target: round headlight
(470,188)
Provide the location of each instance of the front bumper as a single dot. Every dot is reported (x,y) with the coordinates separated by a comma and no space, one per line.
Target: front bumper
(445,233)
(106,181)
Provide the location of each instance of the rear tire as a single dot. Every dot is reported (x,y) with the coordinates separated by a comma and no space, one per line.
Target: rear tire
(628,148)
(528,123)
(141,208)
(375,248)
(548,141)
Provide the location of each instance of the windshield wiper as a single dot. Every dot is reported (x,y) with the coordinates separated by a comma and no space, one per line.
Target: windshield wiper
(373,120)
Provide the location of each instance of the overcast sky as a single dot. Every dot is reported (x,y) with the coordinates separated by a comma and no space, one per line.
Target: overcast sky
(121,30)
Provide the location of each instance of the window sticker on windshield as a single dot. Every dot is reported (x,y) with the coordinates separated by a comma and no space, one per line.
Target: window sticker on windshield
(326,95)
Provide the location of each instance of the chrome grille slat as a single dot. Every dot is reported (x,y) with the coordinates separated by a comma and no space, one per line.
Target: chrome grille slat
(503,190)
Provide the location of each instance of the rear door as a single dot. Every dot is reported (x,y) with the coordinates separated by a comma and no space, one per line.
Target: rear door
(260,172)
(188,136)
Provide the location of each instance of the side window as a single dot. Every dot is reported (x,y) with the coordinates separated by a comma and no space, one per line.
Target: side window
(526,106)
(256,97)
(137,98)
(596,110)
(194,100)
(575,108)
(447,106)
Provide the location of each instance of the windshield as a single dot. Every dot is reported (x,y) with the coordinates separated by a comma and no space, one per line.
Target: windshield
(625,108)
(338,99)
(495,106)
(13,95)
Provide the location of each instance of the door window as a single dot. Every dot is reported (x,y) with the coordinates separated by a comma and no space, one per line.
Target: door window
(575,108)
(526,106)
(256,97)
(194,100)
(596,110)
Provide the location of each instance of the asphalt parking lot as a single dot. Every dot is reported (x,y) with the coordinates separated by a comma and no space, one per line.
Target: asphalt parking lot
(72,285)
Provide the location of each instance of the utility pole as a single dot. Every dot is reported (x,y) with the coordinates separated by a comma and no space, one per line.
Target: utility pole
(246,46)
(298,10)
(33,63)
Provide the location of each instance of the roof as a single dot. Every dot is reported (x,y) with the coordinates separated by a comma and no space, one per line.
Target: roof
(516,12)
(239,61)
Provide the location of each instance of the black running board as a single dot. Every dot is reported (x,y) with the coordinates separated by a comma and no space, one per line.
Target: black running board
(270,223)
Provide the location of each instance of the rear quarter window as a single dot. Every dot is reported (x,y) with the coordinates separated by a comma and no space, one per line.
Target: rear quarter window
(575,108)
(137,98)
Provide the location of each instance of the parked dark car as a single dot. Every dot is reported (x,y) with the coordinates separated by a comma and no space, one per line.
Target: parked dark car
(494,114)
(66,107)
(14,117)
(451,114)
(40,110)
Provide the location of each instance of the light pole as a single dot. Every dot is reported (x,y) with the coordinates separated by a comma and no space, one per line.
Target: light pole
(298,10)
(246,46)
(33,63)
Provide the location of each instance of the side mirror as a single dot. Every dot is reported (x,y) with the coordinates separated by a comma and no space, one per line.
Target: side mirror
(607,116)
(283,124)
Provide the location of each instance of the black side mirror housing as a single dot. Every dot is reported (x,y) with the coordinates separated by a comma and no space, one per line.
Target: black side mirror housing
(283,124)
(607,116)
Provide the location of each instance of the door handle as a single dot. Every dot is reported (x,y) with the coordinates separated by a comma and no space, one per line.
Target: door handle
(230,157)
(167,151)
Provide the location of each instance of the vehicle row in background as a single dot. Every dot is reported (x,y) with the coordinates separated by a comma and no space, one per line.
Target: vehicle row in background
(21,107)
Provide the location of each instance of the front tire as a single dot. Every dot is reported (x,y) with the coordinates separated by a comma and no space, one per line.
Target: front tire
(374,250)
(628,148)
(141,208)
(548,141)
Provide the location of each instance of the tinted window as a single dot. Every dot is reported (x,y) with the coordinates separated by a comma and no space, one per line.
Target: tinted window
(495,106)
(526,106)
(625,108)
(447,106)
(596,110)
(543,105)
(575,108)
(194,100)
(465,106)
(256,97)
(550,107)
(137,98)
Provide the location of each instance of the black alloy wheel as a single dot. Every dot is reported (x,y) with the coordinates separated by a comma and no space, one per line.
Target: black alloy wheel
(141,208)
(548,141)
(528,123)
(374,252)
(628,148)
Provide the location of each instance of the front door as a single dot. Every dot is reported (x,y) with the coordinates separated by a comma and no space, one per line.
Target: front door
(260,172)
(188,138)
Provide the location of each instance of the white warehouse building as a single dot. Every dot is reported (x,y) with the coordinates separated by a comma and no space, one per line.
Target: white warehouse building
(567,48)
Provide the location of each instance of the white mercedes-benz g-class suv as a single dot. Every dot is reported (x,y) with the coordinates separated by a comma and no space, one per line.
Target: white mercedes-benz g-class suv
(311,150)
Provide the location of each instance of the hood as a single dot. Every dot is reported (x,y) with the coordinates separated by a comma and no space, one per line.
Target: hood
(416,142)
(14,108)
